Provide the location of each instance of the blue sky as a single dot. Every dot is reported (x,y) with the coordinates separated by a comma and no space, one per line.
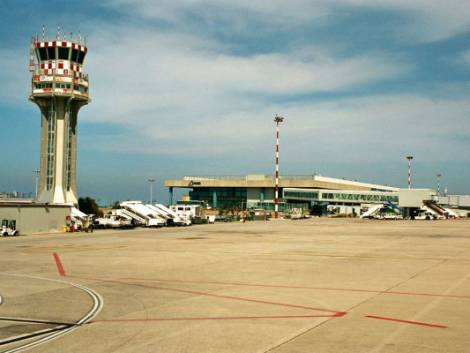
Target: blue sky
(191,87)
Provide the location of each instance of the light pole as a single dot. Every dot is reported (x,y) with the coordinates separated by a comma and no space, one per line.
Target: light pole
(37,182)
(151,181)
(409,158)
(277,119)
(439,184)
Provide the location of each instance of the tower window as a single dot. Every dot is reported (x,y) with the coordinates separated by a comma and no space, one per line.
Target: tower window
(51,53)
(63,53)
(81,56)
(42,53)
(74,55)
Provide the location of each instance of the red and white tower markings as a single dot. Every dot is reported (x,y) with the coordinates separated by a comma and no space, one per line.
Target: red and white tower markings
(277,119)
(409,158)
(59,87)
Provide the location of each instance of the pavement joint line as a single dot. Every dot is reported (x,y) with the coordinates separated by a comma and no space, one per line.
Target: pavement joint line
(216,318)
(355,306)
(420,323)
(388,290)
(306,288)
(423,311)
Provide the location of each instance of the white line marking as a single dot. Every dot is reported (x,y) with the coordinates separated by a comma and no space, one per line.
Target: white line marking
(37,333)
(94,311)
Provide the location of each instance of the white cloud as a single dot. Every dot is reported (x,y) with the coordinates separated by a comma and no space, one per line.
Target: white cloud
(466,57)
(174,76)
(177,95)
(428,20)
(275,11)
(14,76)
(374,128)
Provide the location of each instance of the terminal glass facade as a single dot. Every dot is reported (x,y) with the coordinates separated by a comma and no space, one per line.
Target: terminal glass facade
(340,196)
(360,197)
(220,197)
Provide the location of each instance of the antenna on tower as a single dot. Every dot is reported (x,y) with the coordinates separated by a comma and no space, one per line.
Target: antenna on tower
(32,66)
(43,32)
(58,32)
(79,38)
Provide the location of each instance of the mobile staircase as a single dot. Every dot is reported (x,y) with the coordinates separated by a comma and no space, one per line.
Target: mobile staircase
(437,210)
(138,209)
(178,219)
(372,211)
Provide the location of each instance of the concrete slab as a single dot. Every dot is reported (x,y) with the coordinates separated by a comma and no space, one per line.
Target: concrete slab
(322,285)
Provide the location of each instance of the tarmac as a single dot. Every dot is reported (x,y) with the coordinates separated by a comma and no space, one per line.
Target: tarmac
(316,285)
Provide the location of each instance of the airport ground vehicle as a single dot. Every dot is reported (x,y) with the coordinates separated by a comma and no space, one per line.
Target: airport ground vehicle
(423,214)
(115,220)
(390,216)
(8,228)
(188,211)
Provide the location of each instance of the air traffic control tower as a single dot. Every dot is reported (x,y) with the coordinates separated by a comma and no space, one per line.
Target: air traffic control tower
(59,89)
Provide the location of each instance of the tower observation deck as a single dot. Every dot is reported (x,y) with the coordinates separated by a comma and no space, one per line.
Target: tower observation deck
(59,89)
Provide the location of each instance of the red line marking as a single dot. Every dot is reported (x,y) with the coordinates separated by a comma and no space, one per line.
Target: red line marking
(58,263)
(335,313)
(405,321)
(216,318)
(307,288)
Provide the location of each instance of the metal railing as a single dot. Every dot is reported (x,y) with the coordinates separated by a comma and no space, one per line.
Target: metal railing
(214,177)
(248,177)
(70,73)
(16,195)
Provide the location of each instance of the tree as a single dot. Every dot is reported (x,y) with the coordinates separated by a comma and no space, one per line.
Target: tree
(116,205)
(88,205)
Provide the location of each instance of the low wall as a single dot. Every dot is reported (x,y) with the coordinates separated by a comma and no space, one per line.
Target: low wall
(35,217)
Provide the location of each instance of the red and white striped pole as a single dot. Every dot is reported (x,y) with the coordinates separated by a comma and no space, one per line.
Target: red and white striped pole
(409,158)
(277,119)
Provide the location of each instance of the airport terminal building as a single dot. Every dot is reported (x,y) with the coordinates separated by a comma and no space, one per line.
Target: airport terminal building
(257,191)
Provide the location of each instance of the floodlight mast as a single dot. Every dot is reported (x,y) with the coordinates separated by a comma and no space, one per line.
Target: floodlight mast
(151,181)
(439,184)
(409,158)
(277,119)
(37,171)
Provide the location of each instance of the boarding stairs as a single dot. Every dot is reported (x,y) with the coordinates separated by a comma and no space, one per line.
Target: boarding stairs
(168,218)
(177,219)
(131,215)
(372,211)
(151,218)
(436,209)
